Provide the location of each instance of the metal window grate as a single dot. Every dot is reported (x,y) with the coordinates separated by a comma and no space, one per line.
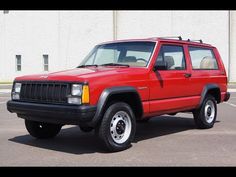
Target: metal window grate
(45,62)
(18,62)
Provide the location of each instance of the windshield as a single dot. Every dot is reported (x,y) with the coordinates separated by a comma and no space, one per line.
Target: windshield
(135,54)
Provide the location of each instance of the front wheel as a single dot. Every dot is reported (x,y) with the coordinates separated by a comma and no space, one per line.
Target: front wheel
(205,116)
(117,128)
(42,130)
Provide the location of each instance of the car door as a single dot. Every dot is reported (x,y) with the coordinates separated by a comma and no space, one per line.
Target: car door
(170,89)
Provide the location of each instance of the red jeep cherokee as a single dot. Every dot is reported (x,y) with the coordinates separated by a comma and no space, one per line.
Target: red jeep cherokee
(120,83)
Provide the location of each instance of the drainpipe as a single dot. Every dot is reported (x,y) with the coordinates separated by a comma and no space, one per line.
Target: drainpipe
(114,24)
(229,55)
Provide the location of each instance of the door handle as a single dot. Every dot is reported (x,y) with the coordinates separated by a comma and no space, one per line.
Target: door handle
(187,75)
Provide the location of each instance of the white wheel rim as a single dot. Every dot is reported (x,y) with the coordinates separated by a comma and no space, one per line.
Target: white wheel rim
(209,111)
(120,127)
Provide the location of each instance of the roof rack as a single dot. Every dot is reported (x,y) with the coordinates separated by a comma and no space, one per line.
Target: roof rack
(169,37)
(195,40)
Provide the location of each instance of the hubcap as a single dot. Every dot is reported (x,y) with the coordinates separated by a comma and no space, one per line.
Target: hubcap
(120,127)
(209,111)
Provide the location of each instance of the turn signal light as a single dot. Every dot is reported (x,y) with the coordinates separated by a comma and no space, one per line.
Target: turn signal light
(85,95)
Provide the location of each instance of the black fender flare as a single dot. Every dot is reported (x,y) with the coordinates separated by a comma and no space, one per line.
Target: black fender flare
(105,96)
(205,90)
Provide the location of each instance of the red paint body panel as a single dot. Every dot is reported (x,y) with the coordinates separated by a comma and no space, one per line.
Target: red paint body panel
(163,91)
(173,105)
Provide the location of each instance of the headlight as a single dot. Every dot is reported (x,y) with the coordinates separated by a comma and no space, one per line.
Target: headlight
(74,100)
(76,90)
(79,94)
(17,87)
(16,91)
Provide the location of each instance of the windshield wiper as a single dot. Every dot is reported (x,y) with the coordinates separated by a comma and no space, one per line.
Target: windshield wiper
(83,66)
(114,64)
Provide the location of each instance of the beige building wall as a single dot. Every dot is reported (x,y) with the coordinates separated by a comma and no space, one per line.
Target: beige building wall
(210,26)
(67,36)
(232,65)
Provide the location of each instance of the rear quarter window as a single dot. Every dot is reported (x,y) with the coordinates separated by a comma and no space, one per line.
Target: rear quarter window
(202,58)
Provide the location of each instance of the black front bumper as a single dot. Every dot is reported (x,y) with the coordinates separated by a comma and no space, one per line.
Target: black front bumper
(52,113)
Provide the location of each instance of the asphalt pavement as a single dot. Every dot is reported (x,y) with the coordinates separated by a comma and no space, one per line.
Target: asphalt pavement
(163,141)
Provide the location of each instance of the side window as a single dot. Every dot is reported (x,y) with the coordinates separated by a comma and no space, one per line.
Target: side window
(202,58)
(173,55)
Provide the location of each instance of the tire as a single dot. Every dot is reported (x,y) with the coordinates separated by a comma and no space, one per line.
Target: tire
(42,130)
(205,116)
(118,126)
(86,128)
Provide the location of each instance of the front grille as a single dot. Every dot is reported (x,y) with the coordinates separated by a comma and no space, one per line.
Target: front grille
(44,92)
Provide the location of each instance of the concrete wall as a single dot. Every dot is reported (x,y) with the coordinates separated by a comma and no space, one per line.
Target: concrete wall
(232,67)
(210,26)
(67,36)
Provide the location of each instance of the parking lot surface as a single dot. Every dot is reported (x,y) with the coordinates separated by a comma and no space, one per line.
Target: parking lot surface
(163,141)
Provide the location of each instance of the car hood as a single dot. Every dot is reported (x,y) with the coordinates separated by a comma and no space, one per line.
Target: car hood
(81,74)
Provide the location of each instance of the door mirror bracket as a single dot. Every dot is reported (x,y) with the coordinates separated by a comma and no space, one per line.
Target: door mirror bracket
(160,65)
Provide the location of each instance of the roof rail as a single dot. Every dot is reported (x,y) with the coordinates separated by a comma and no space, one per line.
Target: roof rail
(195,40)
(169,37)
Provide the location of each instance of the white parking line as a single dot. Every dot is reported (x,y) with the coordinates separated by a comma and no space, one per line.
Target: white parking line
(3,102)
(4,91)
(231,90)
(233,105)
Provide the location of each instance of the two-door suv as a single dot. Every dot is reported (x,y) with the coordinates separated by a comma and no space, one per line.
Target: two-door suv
(123,82)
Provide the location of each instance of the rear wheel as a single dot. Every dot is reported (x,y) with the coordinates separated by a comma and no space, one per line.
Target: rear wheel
(205,116)
(117,128)
(42,130)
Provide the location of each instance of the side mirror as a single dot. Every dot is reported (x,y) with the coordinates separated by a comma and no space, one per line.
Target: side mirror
(160,65)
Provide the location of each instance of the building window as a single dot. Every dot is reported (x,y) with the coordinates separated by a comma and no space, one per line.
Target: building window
(45,62)
(18,62)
